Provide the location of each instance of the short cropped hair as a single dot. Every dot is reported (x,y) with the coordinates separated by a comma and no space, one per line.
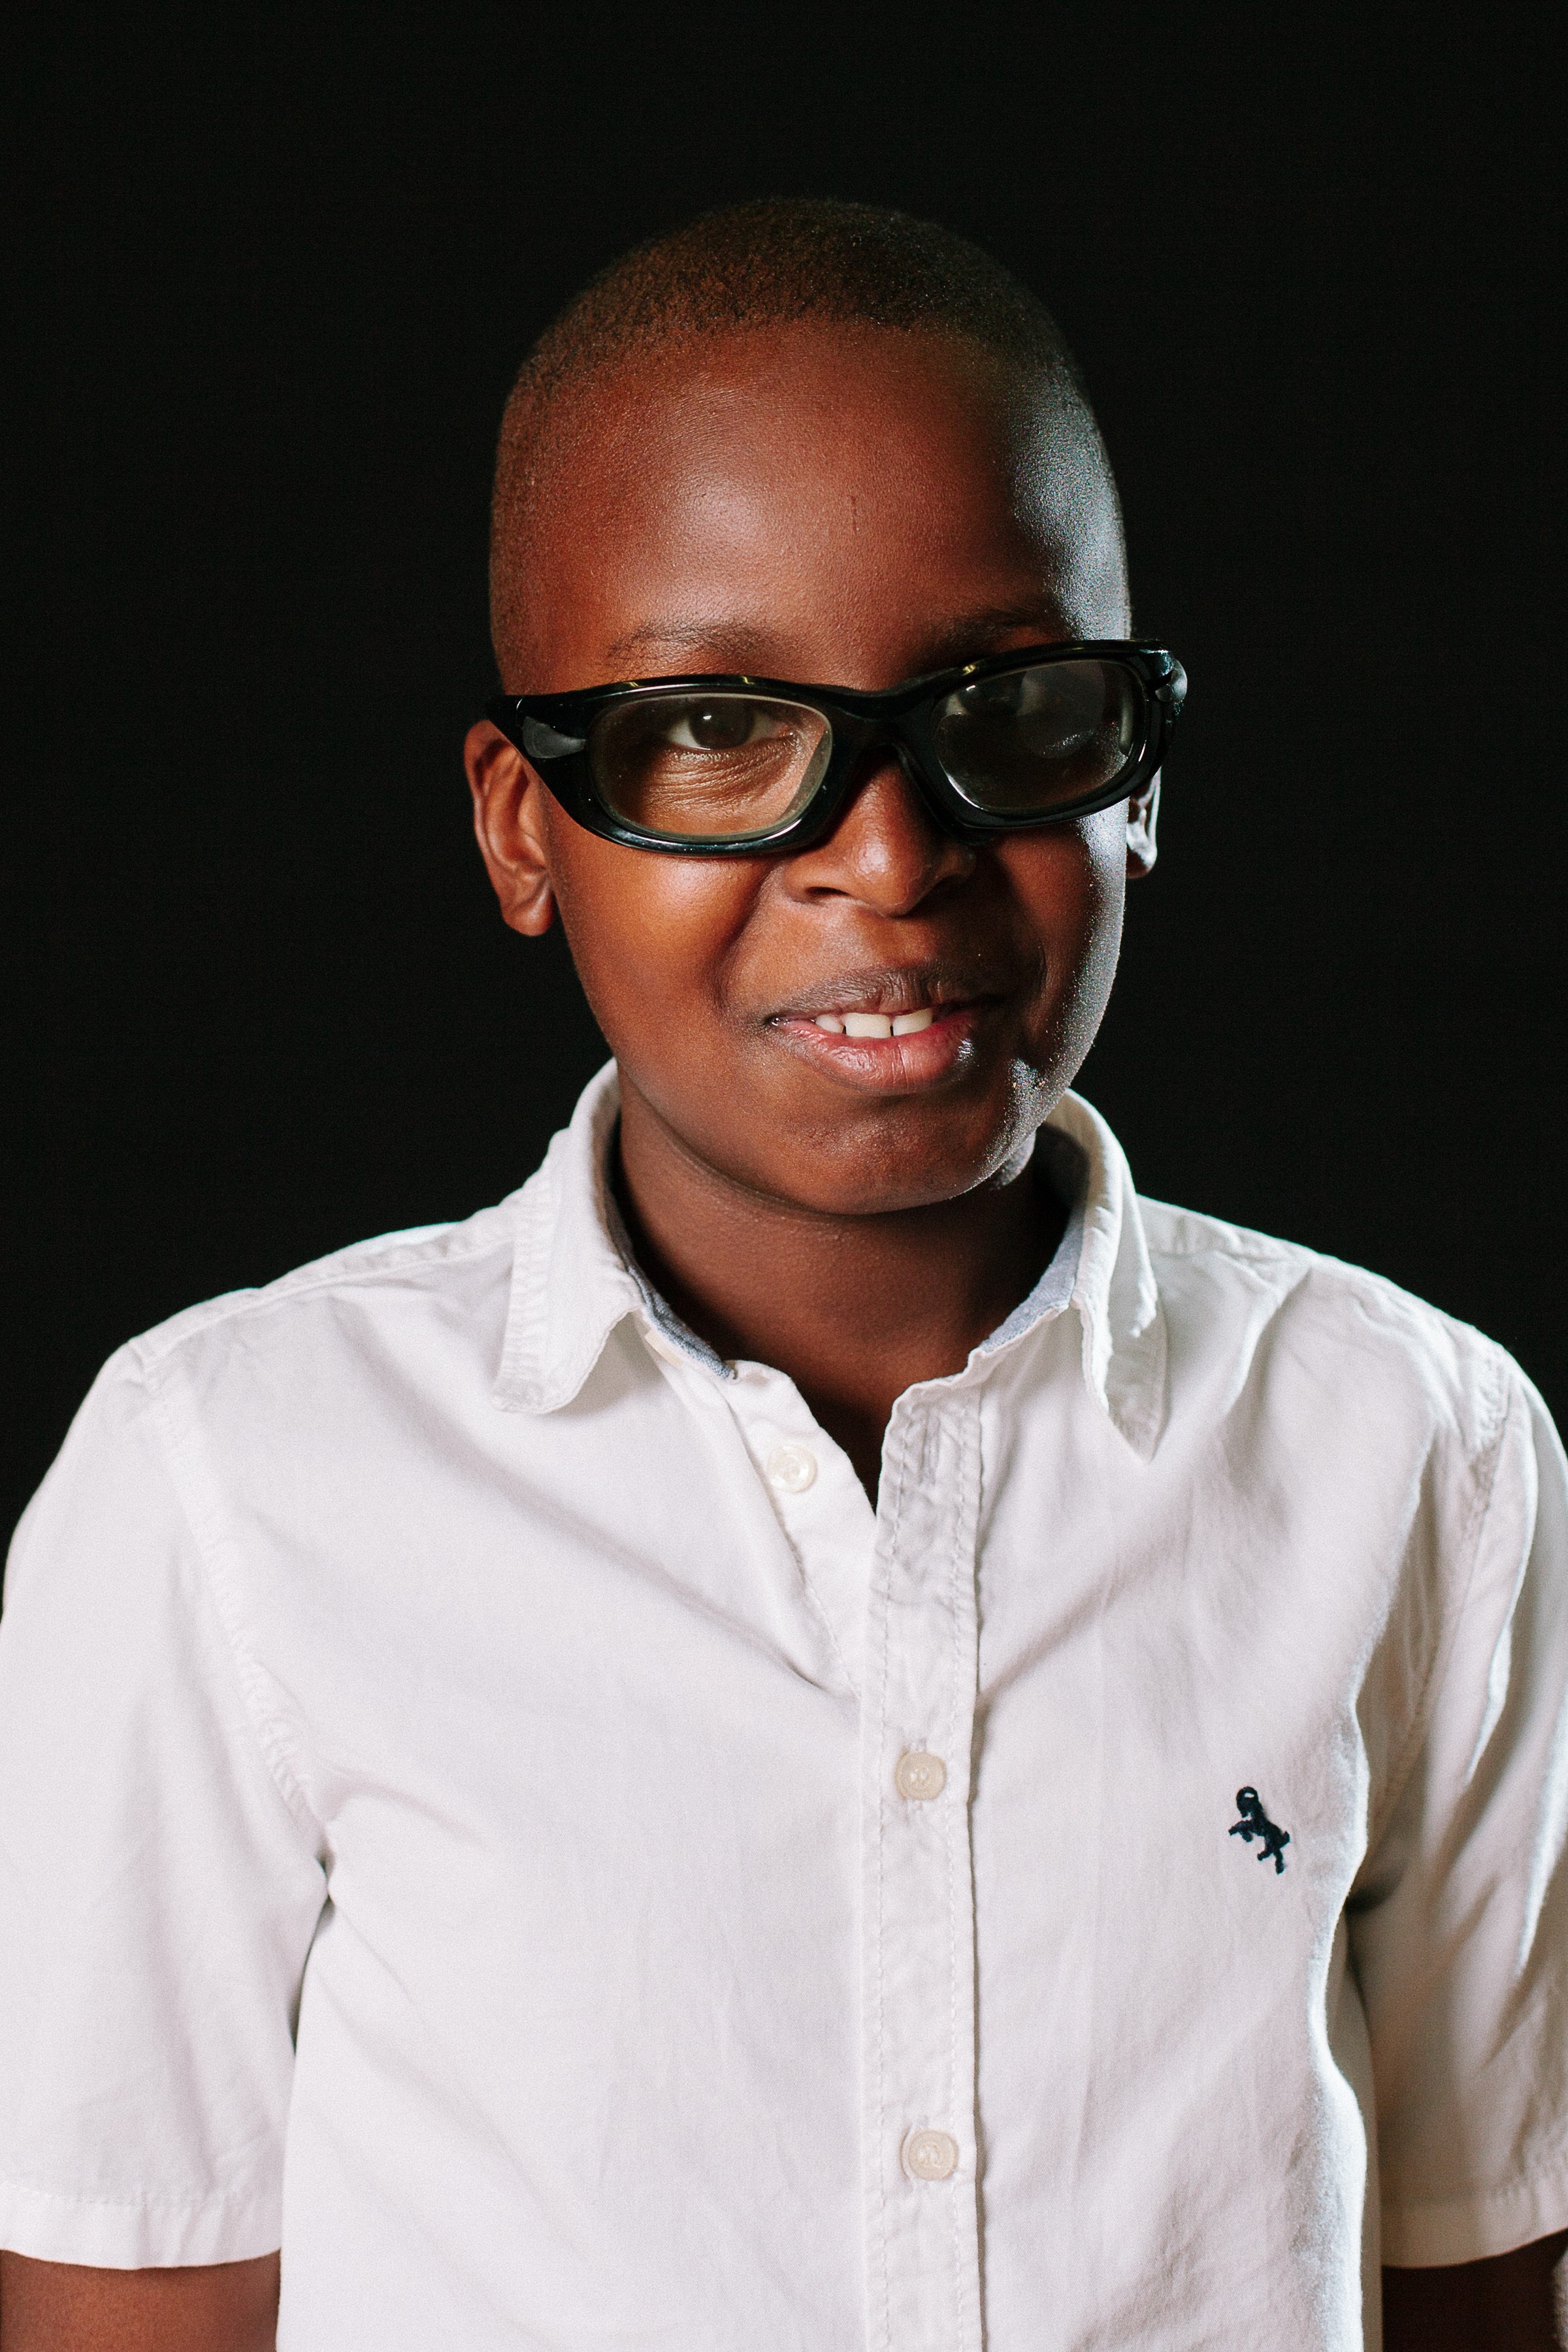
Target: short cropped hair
(763,264)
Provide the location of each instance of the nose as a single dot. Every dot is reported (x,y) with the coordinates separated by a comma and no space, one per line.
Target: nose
(885,852)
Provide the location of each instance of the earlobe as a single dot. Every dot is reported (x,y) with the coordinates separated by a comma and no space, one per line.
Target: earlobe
(528,904)
(507,809)
(1143,825)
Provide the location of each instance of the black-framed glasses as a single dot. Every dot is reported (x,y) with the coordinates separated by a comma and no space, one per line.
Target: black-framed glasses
(720,767)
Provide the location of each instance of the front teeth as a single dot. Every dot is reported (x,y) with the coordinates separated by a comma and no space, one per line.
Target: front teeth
(876,1024)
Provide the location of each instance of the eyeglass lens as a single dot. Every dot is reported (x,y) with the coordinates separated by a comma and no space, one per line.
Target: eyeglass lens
(714,764)
(1035,739)
(726,764)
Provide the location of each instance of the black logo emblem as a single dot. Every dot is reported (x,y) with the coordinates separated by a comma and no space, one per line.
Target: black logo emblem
(1256,1823)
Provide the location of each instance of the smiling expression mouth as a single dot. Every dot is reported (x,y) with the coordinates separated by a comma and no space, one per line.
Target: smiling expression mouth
(876,1024)
(908,1029)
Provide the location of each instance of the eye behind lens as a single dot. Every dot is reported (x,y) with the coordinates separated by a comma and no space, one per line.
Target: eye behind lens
(718,726)
(717,766)
(1026,741)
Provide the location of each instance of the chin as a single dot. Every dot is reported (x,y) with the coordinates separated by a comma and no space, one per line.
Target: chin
(918,1161)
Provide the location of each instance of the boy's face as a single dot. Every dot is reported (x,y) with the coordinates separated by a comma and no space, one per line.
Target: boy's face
(838,506)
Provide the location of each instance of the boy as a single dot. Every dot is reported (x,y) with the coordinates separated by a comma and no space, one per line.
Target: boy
(825,1731)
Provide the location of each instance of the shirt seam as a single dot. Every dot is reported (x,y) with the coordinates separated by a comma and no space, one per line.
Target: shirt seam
(1480,2201)
(272,1743)
(156,1347)
(1482,1465)
(149,2202)
(1241,1242)
(882,2153)
(949,1742)
(957,1850)
(1262,1247)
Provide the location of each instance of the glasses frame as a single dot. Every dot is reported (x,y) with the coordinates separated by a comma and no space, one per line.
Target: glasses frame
(552,732)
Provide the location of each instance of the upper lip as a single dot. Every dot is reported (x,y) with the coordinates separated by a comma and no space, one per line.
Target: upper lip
(891,993)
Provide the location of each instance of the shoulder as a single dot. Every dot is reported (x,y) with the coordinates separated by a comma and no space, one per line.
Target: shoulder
(293,1401)
(1354,1338)
(391,1294)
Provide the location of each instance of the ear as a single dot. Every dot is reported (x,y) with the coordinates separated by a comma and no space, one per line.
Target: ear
(1142,822)
(508,824)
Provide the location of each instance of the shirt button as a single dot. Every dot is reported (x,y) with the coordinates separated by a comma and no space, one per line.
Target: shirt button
(920,1774)
(931,2155)
(791,1468)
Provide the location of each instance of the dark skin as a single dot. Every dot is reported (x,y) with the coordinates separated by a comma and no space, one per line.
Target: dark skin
(66,2307)
(845,507)
(835,505)
(1509,2303)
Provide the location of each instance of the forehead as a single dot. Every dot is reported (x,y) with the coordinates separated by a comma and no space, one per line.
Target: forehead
(816,486)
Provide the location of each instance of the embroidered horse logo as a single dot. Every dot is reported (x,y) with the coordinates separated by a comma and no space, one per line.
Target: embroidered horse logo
(1256,1823)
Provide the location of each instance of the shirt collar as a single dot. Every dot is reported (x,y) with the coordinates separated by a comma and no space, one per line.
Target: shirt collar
(574,1278)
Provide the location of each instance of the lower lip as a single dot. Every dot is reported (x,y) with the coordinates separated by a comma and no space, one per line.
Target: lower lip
(893,1066)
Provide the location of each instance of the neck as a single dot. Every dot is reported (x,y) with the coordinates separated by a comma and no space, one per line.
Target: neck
(855,1309)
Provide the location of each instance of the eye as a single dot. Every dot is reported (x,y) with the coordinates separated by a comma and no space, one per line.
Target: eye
(1027,741)
(1059,705)
(722,725)
(996,697)
(717,764)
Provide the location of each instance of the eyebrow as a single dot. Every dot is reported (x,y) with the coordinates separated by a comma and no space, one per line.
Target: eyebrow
(722,636)
(960,637)
(969,635)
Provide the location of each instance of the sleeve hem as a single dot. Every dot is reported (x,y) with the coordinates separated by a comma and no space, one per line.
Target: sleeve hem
(1471,2229)
(144,2234)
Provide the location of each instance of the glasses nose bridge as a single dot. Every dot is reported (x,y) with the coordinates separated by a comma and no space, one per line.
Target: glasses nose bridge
(875,740)
(880,721)
(872,742)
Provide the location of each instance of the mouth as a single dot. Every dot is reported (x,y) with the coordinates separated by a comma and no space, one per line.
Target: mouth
(897,1033)
(856,1022)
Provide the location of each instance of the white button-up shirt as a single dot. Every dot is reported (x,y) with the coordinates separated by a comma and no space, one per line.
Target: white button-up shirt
(485,1800)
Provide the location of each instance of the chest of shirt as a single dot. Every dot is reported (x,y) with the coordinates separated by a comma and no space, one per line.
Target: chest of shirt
(595,1667)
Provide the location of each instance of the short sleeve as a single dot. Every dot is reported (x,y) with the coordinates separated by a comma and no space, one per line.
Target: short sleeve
(1460,1939)
(157,1893)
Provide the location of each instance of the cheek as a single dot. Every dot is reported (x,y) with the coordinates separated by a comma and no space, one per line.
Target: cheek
(650,935)
(1071,881)
(1103,855)
(1071,886)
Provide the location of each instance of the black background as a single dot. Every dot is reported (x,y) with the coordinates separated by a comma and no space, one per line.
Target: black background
(273,277)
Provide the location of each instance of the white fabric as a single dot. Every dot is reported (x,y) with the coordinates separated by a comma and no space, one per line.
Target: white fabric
(417,1652)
